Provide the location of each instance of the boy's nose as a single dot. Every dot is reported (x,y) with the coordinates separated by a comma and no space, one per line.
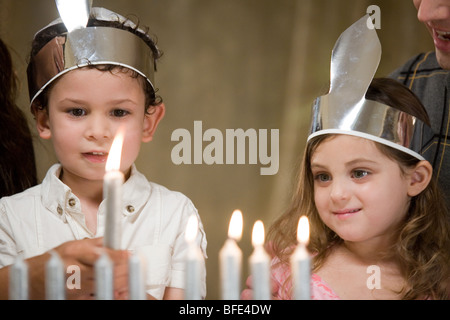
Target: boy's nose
(98,129)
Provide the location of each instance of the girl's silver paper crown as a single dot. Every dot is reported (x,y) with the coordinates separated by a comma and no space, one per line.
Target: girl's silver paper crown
(345,110)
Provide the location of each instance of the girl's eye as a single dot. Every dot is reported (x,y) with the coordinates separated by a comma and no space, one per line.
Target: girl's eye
(119,113)
(322,177)
(358,174)
(77,112)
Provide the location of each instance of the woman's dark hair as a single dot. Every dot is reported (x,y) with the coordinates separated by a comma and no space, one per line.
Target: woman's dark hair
(17,162)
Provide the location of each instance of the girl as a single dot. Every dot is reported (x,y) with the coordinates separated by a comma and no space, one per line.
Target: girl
(368,204)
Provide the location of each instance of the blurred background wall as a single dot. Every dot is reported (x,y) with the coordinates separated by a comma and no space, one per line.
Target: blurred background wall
(231,64)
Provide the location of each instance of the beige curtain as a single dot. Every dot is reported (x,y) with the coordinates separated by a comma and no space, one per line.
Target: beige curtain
(250,64)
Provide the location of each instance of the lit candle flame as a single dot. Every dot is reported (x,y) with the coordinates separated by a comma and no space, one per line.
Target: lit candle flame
(258,234)
(303,230)
(115,153)
(235,228)
(191,229)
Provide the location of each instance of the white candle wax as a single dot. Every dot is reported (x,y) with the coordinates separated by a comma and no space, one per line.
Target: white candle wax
(301,263)
(194,263)
(193,274)
(104,281)
(55,284)
(112,192)
(260,265)
(136,278)
(301,273)
(230,266)
(18,280)
(230,257)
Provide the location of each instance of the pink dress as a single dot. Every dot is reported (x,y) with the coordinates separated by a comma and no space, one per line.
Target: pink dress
(281,275)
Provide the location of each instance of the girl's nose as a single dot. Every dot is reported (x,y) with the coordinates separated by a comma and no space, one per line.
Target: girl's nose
(340,190)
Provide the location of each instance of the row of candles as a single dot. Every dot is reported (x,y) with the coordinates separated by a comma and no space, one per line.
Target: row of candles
(230,255)
(56,283)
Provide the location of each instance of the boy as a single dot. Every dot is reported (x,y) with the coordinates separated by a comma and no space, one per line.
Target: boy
(84,85)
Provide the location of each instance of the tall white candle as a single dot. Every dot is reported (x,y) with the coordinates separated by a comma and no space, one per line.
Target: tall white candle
(104,281)
(18,280)
(136,278)
(55,284)
(231,260)
(260,264)
(301,263)
(194,262)
(112,193)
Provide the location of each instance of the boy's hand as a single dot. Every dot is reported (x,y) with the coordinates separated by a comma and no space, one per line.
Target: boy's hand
(84,253)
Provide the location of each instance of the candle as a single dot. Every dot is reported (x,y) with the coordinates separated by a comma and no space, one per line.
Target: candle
(55,278)
(194,262)
(18,280)
(136,279)
(260,264)
(301,263)
(231,259)
(104,282)
(112,192)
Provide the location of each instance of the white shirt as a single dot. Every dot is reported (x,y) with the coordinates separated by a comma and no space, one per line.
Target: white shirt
(153,223)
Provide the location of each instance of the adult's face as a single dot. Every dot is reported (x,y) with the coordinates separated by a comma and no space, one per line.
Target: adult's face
(435,14)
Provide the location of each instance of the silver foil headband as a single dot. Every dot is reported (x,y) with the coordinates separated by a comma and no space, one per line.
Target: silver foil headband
(345,110)
(370,120)
(89,46)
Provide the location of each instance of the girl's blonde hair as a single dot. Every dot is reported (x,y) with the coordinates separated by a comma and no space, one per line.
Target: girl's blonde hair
(423,241)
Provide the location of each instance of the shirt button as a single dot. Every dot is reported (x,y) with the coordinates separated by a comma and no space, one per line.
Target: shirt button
(59,210)
(130,209)
(72,202)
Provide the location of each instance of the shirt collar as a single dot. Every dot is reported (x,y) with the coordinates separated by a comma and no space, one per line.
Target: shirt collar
(59,199)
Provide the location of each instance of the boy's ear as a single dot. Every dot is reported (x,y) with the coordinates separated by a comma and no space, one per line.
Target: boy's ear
(151,121)
(420,178)
(43,124)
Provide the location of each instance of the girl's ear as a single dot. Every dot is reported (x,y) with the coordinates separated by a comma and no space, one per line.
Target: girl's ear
(420,178)
(43,124)
(151,121)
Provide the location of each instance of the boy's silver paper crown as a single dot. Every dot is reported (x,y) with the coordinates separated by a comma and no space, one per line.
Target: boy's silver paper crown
(84,46)
(345,110)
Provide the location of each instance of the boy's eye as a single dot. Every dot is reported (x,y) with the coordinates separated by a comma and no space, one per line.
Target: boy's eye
(358,174)
(77,112)
(119,113)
